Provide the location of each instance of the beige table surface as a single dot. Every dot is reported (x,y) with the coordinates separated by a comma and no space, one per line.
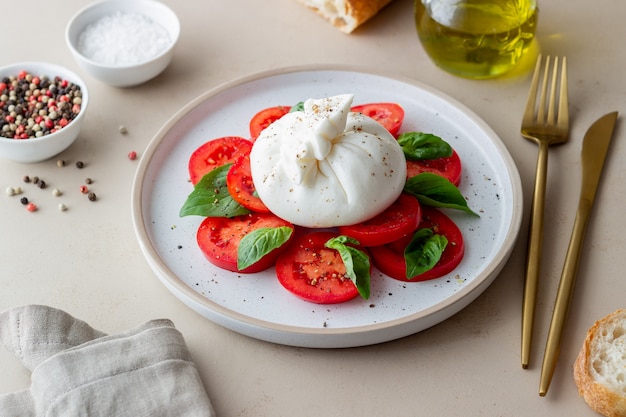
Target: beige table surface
(87,260)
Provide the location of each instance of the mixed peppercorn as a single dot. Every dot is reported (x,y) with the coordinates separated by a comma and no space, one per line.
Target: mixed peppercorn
(34,106)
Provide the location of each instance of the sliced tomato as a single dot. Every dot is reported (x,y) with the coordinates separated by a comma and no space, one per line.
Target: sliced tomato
(390,115)
(400,219)
(266,117)
(241,187)
(449,167)
(215,153)
(313,272)
(219,237)
(389,259)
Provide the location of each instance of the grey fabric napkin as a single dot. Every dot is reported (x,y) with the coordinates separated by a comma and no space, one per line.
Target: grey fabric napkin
(81,371)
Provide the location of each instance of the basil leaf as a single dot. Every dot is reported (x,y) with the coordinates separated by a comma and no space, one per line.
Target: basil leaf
(259,243)
(418,146)
(423,252)
(436,191)
(210,197)
(357,263)
(297,107)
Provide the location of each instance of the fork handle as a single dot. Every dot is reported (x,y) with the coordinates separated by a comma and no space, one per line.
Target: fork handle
(533,260)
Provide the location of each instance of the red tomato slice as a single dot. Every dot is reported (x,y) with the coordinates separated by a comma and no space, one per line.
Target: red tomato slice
(313,272)
(389,259)
(449,167)
(215,153)
(400,219)
(241,187)
(390,115)
(266,117)
(219,237)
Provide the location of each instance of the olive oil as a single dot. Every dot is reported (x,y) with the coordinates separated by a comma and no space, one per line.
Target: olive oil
(476,38)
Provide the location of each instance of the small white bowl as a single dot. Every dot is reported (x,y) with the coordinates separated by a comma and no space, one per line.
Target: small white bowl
(123,75)
(45,147)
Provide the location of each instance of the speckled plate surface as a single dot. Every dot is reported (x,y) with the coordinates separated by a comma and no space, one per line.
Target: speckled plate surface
(256,305)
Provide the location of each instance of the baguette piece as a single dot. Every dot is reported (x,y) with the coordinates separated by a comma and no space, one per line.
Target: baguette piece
(600,368)
(346,15)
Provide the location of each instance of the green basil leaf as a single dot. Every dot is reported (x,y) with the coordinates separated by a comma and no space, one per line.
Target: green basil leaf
(259,243)
(357,263)
(210,197)
(436,191)
(418,146)
(297,107)
(423,252)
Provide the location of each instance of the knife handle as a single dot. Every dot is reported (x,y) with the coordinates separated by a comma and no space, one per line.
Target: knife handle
(564,295)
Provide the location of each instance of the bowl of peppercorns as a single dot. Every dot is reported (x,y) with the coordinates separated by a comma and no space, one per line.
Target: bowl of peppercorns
(123,43)
(42,107)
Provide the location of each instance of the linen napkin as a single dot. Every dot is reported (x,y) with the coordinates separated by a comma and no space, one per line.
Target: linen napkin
(80,371)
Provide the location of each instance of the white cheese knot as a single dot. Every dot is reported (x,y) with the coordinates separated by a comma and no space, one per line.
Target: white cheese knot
(327,166)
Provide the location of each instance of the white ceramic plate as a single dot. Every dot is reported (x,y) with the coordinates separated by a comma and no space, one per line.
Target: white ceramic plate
(256,305)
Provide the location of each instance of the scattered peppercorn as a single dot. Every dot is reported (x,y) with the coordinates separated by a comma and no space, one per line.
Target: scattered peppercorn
(60,163)
(56,192)
(91,196)
(41,184)
(84,189)
(26,179)
(123,130)
(24,200)
(62,207)
(80,164)
(31,207)
(132,155)
(10,191)
(88,180)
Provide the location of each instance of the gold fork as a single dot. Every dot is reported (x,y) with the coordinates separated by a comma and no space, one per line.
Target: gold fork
(545,125)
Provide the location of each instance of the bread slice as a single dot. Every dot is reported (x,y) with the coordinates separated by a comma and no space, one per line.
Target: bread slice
(600,369)
(346,15)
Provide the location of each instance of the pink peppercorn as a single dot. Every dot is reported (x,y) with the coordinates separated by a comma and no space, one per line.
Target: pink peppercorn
(31,207)
(132,155)
(84,189)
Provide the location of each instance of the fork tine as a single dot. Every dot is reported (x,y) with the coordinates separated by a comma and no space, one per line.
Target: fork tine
(552,104)
(563,117)
(529,111)
(541,113)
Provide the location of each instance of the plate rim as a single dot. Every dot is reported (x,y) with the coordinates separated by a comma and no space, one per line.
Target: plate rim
(175,283)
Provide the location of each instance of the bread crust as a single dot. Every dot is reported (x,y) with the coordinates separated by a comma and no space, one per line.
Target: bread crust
(598,396)
(346,15)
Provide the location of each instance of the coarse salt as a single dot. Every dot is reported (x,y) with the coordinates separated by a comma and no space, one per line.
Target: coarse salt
(123,39)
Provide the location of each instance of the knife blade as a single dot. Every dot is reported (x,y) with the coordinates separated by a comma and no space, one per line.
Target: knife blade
(595,148)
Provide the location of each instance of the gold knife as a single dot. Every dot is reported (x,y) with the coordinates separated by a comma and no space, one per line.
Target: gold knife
(595,147)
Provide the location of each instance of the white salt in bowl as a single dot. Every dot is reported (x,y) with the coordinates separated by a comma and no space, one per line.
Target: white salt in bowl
(123,43)
(36,149)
